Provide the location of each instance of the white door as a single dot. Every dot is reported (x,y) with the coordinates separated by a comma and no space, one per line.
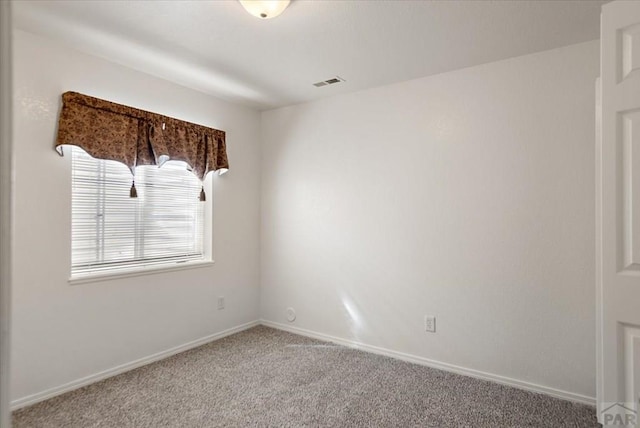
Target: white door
(618,214)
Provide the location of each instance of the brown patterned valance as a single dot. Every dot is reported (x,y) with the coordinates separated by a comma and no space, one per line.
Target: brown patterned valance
(107,130)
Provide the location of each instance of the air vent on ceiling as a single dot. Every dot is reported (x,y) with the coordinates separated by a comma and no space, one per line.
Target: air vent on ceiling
(331,81)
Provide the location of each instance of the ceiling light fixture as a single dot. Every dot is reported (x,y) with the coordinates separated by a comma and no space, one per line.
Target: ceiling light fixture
(265,9)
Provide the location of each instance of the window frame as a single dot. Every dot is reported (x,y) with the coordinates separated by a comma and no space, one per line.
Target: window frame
(151,268)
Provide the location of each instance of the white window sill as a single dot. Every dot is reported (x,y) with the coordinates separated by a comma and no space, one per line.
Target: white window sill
(108,276)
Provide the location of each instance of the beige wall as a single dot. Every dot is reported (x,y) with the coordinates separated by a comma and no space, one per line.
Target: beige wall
(62,332)
(467,195)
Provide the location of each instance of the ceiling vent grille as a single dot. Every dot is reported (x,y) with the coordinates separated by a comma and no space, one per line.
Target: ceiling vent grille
(331,81)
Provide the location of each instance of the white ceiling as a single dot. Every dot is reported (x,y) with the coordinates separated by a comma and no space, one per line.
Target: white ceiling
(218,48)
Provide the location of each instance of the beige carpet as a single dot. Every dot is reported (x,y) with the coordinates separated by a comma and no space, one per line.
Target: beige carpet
(267,378)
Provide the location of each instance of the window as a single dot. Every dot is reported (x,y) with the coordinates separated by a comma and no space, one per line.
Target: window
(113,233)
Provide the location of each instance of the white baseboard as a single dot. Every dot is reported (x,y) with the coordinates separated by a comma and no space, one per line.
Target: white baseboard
(558,393)
(79,383)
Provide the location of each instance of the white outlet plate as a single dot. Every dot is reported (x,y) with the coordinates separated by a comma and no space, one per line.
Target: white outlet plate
(220,302)
(430,323)
(290,314)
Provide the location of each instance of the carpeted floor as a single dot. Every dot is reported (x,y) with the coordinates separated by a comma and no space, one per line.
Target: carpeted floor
(268,378)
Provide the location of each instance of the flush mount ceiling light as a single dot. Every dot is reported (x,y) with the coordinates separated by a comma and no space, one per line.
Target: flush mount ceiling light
(265,9)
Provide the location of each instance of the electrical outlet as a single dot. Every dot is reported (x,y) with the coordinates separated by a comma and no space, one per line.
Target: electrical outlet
(220,302)
(430,323)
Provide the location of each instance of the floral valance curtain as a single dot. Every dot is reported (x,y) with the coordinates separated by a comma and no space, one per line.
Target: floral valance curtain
(107,130)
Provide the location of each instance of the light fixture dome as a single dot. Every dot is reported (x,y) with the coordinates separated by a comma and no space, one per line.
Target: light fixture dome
(265,9)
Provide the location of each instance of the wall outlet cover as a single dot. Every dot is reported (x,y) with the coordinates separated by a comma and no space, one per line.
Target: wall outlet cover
(291,314)
(430,323)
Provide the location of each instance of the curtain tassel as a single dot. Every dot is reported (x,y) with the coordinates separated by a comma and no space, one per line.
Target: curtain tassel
(203,197)
(133,193)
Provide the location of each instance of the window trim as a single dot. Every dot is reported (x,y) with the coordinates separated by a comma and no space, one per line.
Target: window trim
(151,269)
(138,271)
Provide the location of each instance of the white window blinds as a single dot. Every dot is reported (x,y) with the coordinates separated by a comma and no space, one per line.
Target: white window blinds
(113,232)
